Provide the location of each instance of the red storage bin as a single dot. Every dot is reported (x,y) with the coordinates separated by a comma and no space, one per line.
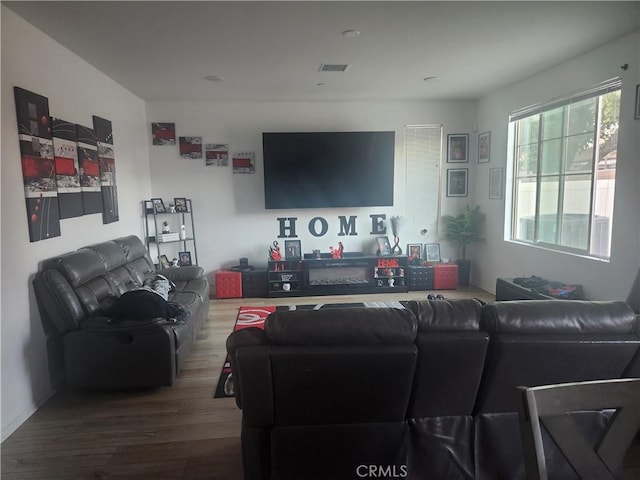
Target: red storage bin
(228,284)
(445,276)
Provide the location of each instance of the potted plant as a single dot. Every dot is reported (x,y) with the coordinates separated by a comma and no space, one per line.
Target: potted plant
(462,230)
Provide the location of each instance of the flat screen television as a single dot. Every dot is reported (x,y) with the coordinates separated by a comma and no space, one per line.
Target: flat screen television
(328,169)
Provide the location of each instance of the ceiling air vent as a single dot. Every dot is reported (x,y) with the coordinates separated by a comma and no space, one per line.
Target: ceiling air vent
(325,67)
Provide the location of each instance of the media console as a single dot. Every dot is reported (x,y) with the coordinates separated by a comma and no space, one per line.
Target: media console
(353,274)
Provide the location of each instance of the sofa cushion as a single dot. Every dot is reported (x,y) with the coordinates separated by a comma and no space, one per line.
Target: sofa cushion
(558,316)
(110,253)
(78,267)
(132,247)
(447,315)
(345,384)
(342,326)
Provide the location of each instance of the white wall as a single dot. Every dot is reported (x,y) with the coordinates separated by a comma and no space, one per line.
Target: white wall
(498,258)
(76,91)
(230,217)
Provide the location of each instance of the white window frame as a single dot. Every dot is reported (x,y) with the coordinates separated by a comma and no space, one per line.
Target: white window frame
(511,226)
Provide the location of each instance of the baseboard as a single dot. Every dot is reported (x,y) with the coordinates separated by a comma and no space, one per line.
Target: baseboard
(8,430)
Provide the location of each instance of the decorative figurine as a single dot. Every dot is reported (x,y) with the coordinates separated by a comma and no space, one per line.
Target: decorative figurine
(274,252)
(337,252)
(165,227)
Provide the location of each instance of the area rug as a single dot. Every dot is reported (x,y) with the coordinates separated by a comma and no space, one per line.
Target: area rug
(256,316)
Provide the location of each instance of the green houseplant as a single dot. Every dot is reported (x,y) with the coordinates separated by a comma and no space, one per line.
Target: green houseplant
(462,230)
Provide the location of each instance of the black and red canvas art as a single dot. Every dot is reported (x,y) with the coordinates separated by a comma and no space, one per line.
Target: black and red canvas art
(163,133)
(38,165)
(89,170)
(65,149)
(107,162)
(190,147)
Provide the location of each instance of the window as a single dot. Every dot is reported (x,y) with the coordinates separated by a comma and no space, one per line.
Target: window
(423,149)
(564,170)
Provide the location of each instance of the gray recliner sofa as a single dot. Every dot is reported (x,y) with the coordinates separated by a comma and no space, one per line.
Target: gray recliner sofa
(76,291)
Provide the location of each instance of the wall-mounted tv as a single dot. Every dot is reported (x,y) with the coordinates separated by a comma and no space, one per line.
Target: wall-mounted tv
(328,169)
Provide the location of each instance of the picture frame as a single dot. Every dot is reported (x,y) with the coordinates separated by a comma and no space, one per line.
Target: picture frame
(184,259)
(158,205)
(163,133)
(458,148)
(637,111)
(484,147)
(495,183)
(292,250)
(384,247)
(164,261)
(457,182)
(432,252)
(181,204)
(414,252)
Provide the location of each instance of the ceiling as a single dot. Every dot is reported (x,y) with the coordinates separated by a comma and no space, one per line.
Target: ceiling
(272,51)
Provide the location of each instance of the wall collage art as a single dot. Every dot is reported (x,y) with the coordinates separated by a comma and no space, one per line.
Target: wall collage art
(214,154)
(68,170)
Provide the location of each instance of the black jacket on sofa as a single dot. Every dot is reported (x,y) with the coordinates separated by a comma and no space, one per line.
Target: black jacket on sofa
(427,392)
(76,292)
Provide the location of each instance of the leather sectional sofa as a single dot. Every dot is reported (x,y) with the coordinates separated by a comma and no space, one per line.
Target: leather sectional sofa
(75,293)
(428,392)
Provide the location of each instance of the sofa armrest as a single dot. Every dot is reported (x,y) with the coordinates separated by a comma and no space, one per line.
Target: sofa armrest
(182,274)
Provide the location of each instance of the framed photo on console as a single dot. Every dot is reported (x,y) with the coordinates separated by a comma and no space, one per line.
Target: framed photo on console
(158,205)
(181,204)
(292,250)
(414,252)
(384,247)
(164,261)
(185,259)
(432,252)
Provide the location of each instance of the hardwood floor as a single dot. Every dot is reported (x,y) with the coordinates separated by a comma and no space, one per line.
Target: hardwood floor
(175,433)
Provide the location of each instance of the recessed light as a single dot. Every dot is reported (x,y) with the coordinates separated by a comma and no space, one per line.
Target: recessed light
(351,33)
(215,78)
(431,77)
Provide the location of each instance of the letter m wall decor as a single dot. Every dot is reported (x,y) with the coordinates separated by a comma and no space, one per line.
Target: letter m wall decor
(38,165)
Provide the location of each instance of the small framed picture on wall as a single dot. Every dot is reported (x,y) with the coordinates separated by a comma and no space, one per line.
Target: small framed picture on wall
(458,148)
(457,182)
(495,183)
(484,147)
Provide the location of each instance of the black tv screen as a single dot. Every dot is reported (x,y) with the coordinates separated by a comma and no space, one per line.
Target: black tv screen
(328,169)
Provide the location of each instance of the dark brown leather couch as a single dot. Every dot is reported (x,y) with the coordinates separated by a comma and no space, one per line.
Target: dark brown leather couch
(75,291)
(427,392)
